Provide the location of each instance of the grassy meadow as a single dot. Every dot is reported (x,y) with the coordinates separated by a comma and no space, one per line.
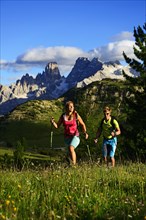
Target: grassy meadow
(87,191)
(44,187)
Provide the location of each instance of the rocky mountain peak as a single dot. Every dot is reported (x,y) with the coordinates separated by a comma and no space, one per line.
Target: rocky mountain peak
(50,84)
(51,72)
(83,68)
(49,76)
(81,63)
(113,63)
(26,79)
(51,66)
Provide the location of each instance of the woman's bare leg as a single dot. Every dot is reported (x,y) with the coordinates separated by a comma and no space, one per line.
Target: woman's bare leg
(72,154)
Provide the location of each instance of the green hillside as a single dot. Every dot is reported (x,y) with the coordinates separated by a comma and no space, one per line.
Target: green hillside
(30,122)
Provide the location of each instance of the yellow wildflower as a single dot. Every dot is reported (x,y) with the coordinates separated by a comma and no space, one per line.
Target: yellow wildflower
(7,202)
(3,217)
(19,186)
(15,209)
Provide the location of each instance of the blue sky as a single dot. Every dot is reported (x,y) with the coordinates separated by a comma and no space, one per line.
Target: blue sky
(34,33)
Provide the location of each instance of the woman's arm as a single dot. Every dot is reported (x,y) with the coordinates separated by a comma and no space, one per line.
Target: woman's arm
(83,126)
(56,125)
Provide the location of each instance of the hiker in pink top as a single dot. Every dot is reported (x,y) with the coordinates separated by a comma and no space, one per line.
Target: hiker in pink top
(70,120)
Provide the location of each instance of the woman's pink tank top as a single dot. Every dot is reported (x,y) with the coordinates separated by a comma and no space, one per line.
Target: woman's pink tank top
(70,126)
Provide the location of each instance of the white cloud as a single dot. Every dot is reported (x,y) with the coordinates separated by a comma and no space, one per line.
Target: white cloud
(39,57)
(114,51)
(2,61)
(124,35)
(13,66)
(66,56)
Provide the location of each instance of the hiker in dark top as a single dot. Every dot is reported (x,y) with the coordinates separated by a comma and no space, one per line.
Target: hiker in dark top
(71,134)
(109,128)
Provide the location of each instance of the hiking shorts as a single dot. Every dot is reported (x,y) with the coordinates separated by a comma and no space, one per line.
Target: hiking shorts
(109,147)
(72,141)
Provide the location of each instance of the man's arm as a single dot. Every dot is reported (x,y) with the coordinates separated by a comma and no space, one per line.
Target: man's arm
(117,129)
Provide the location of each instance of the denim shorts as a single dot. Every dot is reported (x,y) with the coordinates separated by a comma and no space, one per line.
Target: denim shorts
(109,147)
(72,141)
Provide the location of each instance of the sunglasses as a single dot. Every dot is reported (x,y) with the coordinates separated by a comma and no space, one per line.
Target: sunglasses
(107,113)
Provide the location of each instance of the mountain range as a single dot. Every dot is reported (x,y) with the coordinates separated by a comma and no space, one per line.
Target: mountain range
(50,85)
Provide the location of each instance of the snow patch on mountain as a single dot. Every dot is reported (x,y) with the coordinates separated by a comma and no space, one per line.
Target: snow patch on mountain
(51,85)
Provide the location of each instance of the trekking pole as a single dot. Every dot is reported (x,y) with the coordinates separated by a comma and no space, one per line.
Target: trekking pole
(97,158)
(88,149)
(51,136)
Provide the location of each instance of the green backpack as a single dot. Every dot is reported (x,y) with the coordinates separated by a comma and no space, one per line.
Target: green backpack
(112,122)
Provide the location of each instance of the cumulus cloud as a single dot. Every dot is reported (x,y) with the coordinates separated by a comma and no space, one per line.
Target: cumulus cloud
(13,66)
(123,41)
(114,51)
(124,35)
(41,55)
(66,56)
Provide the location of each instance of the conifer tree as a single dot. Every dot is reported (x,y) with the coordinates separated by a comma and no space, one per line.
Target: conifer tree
(136,103)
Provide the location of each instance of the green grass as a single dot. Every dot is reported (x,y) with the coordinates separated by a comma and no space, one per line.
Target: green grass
(4,151)
(51,153)
(83,192)
(31,121)
(35,134)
